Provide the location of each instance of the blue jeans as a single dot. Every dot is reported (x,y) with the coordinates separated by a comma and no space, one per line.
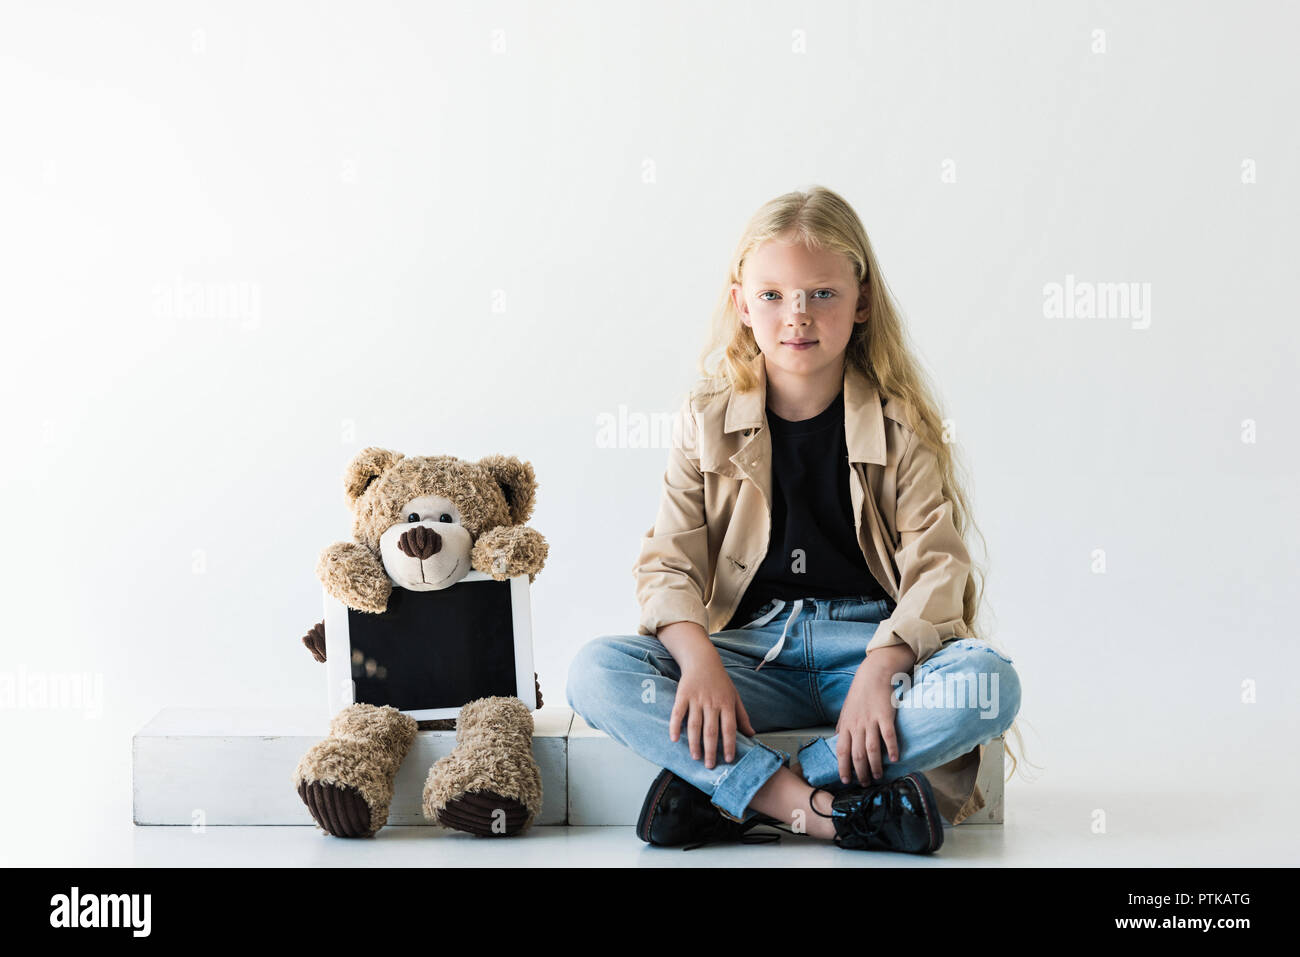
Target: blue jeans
(963,695)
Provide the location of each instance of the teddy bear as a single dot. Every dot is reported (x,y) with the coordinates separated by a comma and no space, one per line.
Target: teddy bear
(421,523)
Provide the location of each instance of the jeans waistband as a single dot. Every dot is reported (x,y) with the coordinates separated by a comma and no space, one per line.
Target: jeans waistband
(774,606)
(812,603)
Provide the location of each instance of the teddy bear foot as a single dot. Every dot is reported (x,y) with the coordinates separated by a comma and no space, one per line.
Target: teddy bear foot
(489,785)
(346,780)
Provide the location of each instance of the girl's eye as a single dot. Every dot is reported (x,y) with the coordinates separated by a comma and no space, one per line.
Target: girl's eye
(413,517)
(829,292)
(445,517)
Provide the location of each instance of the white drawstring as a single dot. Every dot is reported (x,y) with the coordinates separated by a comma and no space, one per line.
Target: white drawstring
(777,604)
(776,648)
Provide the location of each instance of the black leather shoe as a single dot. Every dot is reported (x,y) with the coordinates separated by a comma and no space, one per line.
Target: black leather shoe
(677,813)
(898,816)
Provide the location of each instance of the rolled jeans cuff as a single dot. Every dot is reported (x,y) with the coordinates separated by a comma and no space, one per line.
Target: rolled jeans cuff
(737,788)
(818,763)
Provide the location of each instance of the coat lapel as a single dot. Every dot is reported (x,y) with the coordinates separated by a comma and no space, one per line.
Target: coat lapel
(864,422)
(746,413)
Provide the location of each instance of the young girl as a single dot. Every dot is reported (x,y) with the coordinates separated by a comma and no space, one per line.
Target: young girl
(807,567)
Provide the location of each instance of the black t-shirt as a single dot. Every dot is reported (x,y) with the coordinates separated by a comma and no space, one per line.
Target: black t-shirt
(813,551)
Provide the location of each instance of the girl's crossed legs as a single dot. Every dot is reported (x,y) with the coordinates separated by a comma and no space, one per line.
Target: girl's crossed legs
(625,685)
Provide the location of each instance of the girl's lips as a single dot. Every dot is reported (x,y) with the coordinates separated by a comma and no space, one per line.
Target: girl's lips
(801,345)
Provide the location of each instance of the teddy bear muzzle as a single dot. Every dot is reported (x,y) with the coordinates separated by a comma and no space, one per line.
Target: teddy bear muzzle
(421,557)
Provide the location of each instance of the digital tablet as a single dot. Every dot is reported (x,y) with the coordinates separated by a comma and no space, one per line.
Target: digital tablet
(432,652)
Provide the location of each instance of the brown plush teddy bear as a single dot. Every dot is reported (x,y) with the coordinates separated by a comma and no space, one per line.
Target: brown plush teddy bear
(421,523)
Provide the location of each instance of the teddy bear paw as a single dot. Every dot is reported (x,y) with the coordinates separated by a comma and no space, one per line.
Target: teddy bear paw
(485,813)
(339,810)
(507,552)
(355,576)
(507,561)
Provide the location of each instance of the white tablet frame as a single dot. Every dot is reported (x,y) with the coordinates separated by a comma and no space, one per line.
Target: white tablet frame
(338,650)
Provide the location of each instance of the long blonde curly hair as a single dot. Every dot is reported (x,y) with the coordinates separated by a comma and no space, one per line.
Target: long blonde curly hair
(821,219)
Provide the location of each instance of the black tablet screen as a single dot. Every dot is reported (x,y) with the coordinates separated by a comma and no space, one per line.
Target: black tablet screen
(435,649)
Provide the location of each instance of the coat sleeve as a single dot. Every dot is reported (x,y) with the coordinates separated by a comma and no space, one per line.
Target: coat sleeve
(933,563)
(672,566)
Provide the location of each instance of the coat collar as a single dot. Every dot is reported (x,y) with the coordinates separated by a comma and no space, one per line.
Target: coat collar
(864,421)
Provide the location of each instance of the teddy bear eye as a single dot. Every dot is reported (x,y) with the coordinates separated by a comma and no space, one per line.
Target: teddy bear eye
(413,517)
(445,517)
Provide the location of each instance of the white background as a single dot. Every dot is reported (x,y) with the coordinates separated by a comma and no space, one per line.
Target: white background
(376,173)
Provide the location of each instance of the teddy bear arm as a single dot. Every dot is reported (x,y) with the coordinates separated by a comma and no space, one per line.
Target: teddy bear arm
(355,576)
(509,550)
(315,640)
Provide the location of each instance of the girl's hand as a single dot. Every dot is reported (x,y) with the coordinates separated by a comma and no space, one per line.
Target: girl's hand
(709,702)
(868,714)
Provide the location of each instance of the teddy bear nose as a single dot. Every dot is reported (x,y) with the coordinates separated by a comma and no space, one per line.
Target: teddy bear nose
(420,542)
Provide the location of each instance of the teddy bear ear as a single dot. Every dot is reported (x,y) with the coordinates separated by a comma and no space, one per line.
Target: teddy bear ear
(517,482)
(367,466)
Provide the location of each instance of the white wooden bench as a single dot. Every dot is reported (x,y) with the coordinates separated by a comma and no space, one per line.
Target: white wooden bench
(235,767)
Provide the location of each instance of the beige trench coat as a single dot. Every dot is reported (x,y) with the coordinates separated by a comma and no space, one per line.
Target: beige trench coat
(714,521)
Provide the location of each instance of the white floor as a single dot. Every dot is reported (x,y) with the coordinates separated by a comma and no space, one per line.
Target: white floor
(1045,827)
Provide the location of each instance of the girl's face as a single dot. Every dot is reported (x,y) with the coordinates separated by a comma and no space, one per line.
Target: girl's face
(801,304)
